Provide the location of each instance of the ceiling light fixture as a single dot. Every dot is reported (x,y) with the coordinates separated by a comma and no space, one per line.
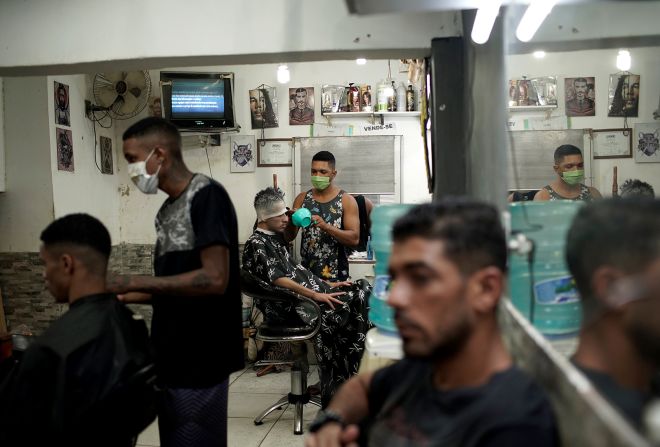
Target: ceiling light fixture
(623,60)
(534,16)
(283,74)
(484,20)
(539,54)
(360,61)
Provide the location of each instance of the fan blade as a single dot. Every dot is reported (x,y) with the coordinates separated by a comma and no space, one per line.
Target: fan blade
(108,78)
(129,104)
(135,79)
(106,96)
(117,76)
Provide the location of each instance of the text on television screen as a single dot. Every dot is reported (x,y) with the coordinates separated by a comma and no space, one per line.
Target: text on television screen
(198,98)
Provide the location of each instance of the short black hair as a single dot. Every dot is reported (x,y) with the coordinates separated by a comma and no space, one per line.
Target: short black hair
(301,90)
(325,156)
(636,188)
(565,150)
(624,234)
(580,80)
(471,232)
(154,125)
(78,229)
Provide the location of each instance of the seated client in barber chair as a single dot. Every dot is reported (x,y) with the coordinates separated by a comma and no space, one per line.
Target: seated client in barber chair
(344,305)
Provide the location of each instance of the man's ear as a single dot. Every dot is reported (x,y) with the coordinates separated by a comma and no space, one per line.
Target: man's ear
(485,288)
(602,282)
(160,152)
(66,261)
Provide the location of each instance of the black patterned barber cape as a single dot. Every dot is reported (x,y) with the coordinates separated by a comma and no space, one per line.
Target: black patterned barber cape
(340,342)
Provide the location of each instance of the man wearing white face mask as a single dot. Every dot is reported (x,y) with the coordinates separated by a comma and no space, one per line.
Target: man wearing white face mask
(613,252)
(569,166)
(195,290)
(335,222)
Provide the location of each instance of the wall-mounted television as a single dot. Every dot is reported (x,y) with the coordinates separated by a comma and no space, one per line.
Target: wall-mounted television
(198,101)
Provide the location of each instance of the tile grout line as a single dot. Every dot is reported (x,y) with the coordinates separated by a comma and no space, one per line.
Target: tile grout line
(273,426)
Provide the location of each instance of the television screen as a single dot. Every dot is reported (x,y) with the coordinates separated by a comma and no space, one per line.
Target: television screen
(194,98)
(197,101)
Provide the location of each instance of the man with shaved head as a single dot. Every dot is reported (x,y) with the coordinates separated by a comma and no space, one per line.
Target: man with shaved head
(73,383)
(195,293)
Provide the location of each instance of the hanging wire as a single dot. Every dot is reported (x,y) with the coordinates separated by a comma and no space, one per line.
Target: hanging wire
(95,147)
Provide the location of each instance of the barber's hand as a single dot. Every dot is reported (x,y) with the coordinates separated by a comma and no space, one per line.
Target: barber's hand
(319,222)
(328,298)
(119,284)
(134,297)
(332,435)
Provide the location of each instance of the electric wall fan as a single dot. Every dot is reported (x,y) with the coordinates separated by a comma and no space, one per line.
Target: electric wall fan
(121,95)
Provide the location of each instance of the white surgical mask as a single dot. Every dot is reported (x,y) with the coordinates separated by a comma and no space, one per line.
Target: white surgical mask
(147,183)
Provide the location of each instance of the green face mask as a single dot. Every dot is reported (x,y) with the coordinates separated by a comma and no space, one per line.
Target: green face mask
(320,183)
(573,177)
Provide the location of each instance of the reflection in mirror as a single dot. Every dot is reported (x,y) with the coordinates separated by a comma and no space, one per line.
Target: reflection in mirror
(580,45)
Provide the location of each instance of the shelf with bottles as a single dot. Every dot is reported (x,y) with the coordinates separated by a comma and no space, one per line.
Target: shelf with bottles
(532,108)
(372,115)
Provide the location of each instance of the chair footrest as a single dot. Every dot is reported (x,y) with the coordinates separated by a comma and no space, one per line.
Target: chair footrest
(268,330)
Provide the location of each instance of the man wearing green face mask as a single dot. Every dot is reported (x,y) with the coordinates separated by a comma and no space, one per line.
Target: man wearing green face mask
(569,166)
(335,222)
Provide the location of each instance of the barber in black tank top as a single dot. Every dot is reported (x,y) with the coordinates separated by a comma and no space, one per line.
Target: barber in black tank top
(335,223)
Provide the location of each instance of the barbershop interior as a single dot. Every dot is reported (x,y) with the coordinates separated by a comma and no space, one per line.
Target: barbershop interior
(472,259)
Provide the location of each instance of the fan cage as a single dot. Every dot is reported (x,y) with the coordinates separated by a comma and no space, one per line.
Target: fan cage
(102,82)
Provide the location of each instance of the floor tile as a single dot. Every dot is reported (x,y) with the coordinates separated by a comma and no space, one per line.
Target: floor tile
(243,432)
(250,405)
(237,374)
(275,383)
(282,436)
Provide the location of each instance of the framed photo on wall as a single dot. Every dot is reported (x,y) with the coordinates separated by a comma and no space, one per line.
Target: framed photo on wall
(263,107)
(623,95)
(274,152)
(647,142)
(301,106)
(580,96)
(62,111)
(612,143)
(242,153)
(64,140)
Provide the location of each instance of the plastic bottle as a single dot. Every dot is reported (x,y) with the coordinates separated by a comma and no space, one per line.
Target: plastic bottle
(382,218)
(353,98)
(391,99)
(370,252)
(401,98)
(549,292)
(381,96)
(410,99)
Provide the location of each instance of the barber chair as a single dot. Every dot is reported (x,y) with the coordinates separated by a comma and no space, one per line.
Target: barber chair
(297,335)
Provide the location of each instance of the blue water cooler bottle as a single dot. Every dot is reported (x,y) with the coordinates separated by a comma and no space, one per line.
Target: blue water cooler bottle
(540,285)
(382,219)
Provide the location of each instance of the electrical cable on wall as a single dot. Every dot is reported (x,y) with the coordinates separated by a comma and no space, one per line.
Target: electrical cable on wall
(204,144)
(95,146)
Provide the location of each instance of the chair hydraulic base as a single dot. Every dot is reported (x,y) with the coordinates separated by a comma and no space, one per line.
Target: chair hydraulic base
(298,397)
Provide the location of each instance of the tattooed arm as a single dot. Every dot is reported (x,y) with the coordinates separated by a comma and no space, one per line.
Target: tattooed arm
(210,279)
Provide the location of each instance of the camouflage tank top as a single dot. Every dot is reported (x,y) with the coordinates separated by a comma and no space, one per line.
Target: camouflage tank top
(320,252)
(585,194)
